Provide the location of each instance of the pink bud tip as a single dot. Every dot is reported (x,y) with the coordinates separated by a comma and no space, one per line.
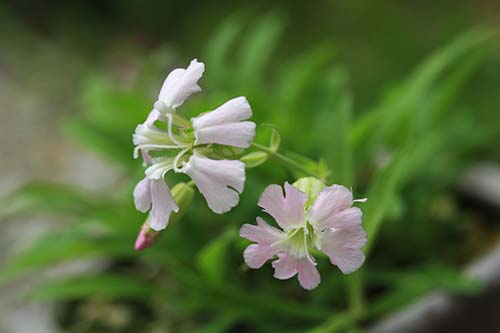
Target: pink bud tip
(145,238)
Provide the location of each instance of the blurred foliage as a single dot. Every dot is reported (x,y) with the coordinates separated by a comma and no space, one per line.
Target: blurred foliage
(402,153)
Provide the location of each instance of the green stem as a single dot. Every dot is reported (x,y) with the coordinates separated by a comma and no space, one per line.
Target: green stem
(355,292)
(290,162)
(338,323)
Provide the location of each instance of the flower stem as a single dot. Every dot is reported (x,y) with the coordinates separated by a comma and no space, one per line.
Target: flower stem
(290,162)
(355,292)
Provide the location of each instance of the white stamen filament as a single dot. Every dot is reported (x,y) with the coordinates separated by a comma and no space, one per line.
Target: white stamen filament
(178,157)
(306,248)
(360,200)
(170,134)
(151,146)
(286,238)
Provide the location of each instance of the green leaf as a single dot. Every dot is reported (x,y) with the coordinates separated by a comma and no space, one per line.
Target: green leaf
(412,285)
(401,105)
(389,179)
(302,72)
(103,285)
(218,47)
(64,246)
(49,197)
(99,139)
(212,259)
(337,148)
(258,46)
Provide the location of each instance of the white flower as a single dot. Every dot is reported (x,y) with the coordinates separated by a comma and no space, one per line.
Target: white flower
(154,195)
(225,125)
(179,85)
(331,225)
(219,181)
(189,149)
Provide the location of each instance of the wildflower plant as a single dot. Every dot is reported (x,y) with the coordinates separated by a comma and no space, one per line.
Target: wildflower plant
(200,150)
(198,274)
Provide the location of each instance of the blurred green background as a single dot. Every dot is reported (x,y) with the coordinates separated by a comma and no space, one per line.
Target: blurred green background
(397,99)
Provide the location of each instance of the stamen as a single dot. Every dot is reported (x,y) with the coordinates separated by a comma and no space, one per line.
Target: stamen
(307,250)
(170,134)
(360,200)
(286,238)
(178,157)
(140,147)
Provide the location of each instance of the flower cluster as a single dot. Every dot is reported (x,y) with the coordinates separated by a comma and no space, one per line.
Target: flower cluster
(313,219)
(330,224)
(199,148)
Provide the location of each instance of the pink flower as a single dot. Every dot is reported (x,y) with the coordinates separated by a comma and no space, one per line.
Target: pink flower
(330,225)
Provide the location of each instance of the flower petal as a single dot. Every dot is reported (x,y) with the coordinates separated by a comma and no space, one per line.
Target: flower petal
(142,195)
(233,111)
(162,204)
(349,218)
(159,167)
(285,266)
(225,125)
(256,255)
(331,199)
(308,274)
(180,84)
(344,248)
(219,181)
(261,233)
(287,210)
(153,116)
(233,134)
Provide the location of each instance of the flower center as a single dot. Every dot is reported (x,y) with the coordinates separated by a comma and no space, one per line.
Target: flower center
(296,242)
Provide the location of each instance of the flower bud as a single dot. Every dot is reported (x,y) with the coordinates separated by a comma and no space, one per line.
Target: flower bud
(254,159)
(183,195)
(146,237)
(310,186)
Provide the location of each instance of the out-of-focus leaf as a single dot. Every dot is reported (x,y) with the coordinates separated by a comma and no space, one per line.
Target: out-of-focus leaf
(103,285)
(336,147)
(49,197)
(217,53)
(257,47)
(404,99)
(387,181)
(116,149)
(63,246)
(409,286)
(212,259)
(118,111)
(221,324)
(303,71)
(443,96)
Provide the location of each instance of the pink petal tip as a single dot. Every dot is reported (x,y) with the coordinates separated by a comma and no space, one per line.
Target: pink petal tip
(146,238)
